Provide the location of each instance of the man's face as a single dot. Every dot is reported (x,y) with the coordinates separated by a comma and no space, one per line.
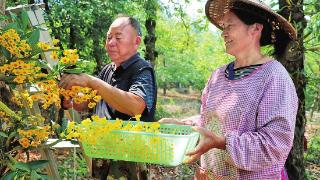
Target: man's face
(122,41)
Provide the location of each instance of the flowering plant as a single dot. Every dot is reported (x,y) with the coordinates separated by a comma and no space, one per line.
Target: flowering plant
(28,82)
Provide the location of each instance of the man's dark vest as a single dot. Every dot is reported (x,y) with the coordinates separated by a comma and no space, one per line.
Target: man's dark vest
(125,82)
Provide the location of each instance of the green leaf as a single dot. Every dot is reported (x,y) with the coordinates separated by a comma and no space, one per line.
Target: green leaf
(3,17)
(45,177)
(37,164)
(34,38)
(3,134)
(12,26)
(43,64)
(34,175)
(73,71)
(11,135)
(9,176)
(22,166)
(5,52)
(13,16)
(24,20)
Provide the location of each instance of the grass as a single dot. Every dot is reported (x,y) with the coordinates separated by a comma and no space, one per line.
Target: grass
(312,155)
(176,105)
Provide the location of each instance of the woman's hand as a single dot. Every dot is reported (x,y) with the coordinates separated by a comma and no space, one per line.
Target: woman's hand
(170,121)
(208,140)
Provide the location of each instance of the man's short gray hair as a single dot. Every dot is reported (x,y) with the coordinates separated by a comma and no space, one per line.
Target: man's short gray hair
(133,22)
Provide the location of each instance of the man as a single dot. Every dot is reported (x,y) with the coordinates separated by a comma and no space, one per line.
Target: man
(127,87)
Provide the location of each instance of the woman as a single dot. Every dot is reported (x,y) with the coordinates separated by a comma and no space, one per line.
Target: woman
(249,106)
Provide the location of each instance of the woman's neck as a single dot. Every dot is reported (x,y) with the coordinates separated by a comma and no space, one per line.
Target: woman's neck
(250,58)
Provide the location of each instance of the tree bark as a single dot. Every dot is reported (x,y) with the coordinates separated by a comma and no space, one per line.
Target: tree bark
(72,35)
(2,89)
(294,63)
(150,41)
(2,6)
(150,7)
(2,10)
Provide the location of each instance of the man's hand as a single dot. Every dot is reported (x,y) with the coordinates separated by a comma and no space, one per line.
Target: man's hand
(69,80)
(68,104)
(208,140)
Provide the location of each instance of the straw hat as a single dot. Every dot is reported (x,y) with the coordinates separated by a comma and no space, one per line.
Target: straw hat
(215,9)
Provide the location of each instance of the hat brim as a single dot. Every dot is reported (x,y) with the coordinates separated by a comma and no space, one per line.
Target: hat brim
(215,10)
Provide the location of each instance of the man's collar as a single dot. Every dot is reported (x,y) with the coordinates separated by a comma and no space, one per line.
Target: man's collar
(130,61)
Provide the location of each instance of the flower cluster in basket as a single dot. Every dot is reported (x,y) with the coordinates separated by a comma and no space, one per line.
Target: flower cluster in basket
(27,83)
(94,128)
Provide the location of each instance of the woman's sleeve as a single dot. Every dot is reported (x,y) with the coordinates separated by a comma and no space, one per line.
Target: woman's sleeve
(204,97)
(273,138)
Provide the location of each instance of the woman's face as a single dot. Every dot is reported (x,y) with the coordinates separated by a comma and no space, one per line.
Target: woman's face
(236,34)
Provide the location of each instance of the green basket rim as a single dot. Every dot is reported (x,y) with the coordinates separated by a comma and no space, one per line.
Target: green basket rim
(192,133)
(153,134)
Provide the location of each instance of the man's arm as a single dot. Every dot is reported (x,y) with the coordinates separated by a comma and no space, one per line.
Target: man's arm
(122,101)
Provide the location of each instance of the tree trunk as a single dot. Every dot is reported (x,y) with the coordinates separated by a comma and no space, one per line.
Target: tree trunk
(2,9)
(2,6)
(97,52)
(2,89)
(150,41)
(72,37)
(294,63)
(150,7)
(97,31)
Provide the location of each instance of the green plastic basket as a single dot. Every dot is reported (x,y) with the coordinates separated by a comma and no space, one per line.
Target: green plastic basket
(165,148)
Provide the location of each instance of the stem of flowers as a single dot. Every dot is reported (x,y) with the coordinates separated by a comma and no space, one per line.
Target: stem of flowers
(24,102)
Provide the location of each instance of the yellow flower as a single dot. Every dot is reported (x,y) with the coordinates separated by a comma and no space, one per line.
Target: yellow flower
(24,142)
(101,120)
(70,126)
(95,118)
(75,88)
(91,105)
(155,125)
(43,46)
(54,55)
(2,114)
(97,98)
(37,68)
(46,128)
(137,117)
(15,64)
(72,61)
(55,41)
(64,60)
(62,134)
(19,79)
(127,127)
(86,122)
(137,127)
(3,69)
(94,93)
(35,143)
